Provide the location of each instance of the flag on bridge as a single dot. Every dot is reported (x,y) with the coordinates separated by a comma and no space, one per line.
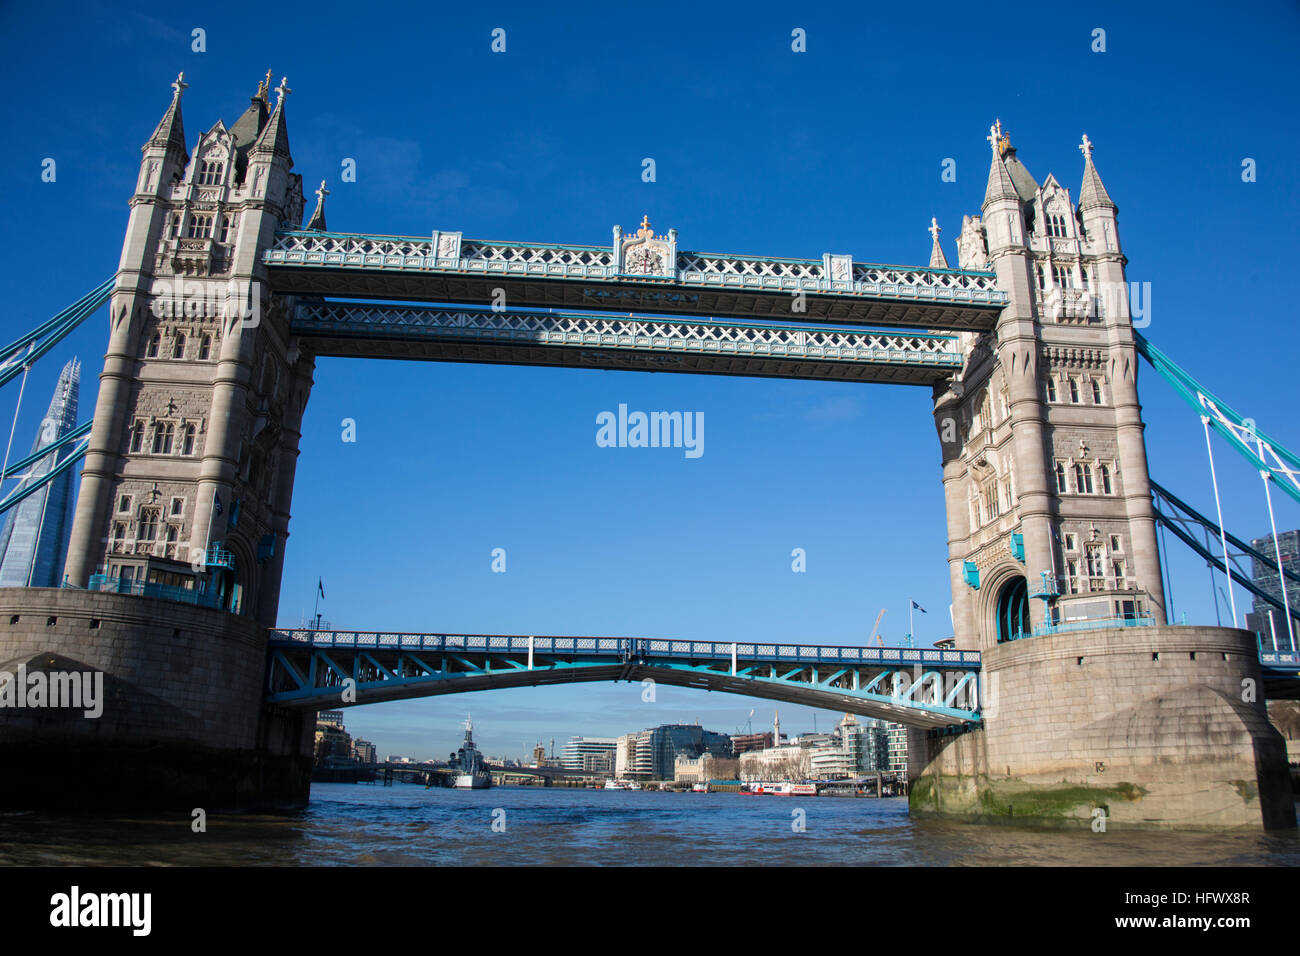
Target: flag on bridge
(216,502)
(919,608)
(320,586)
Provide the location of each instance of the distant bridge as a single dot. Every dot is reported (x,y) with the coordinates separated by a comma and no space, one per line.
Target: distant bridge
(921,687)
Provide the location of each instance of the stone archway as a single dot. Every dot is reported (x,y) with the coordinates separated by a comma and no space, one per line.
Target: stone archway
(1011,610)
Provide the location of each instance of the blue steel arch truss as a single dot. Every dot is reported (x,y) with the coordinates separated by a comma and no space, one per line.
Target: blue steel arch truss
(922,687)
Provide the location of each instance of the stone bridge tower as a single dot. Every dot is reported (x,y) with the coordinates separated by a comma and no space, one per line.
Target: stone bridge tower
(189,474)
(1044,465)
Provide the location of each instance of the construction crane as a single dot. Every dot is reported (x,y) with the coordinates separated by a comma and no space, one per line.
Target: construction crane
(748,725)
(880,641)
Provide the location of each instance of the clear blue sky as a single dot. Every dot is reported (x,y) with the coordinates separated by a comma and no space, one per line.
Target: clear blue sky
(758,150)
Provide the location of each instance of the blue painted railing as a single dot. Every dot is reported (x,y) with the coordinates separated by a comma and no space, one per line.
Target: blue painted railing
(167,592)
(626,647)
(1137,620)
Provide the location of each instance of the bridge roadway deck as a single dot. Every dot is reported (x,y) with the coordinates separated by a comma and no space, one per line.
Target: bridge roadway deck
(358,266)
(578,340)
(924,687)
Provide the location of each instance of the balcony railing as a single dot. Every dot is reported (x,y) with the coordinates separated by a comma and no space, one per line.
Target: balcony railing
(167,592)
(1093,624)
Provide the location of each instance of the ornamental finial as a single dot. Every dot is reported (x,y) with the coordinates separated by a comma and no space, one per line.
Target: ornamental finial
(1086,147)
(322,192)
(934,229)
(998,138)
(179,85)
(282,91)
(645,231)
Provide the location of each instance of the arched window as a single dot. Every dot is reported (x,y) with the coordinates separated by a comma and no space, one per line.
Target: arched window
(163,433)
(187,442)
(1083,479)
(1104,471)
(1074,391)
(178,347)
(205,347)
(225,229)
(137,436)
(1096,392)
(148,524)
(155,344)
(210,173)
(1060,478)
(1051,388)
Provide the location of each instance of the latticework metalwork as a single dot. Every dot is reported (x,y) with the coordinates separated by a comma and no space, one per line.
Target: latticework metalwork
(606,341)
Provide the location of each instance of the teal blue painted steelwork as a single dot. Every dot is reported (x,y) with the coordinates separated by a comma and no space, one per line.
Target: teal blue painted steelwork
(970,574)
(1281,464)
(929,687)
(1137,620)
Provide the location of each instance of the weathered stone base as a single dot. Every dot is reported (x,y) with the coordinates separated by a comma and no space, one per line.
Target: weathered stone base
(183,724)
(1156,727)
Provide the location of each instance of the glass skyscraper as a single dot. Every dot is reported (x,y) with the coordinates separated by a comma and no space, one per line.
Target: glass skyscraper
(35,538)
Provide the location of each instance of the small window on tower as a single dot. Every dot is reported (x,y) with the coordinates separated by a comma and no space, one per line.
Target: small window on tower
(137,436)
(1105,479)
(187,442)
(178,506)
(1096,392)
(178,347)
(205,347)
(174,225)
(155,343)
(225,229)
(1060,478)
(124,504)
(200,227)
(163,433)
(210,173)
(1083,479)
(1056,225)
(1074,391)
(1051,388)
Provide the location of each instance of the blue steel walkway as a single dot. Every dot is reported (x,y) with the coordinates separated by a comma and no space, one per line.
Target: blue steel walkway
(922,687)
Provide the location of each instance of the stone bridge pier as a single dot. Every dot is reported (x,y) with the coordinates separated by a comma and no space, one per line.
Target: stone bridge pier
(182,723)
(1139,727)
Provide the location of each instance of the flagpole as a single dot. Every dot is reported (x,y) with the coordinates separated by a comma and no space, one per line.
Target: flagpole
(316,621)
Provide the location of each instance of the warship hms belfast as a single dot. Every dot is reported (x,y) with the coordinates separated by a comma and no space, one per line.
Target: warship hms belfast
(468,763)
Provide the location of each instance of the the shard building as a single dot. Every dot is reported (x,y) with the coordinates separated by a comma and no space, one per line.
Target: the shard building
(35,538)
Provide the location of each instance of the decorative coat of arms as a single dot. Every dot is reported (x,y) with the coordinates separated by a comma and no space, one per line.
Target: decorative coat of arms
(645,254)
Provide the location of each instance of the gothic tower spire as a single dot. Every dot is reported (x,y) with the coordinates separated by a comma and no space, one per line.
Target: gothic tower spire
(1092,193)
(937,259)
(170,132)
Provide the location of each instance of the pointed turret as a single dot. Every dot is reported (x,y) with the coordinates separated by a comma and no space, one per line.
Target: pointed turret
(274,137)
(1092,193)
(317,221)
(170,134)
(937,259)
(1003,201)
(1000,185)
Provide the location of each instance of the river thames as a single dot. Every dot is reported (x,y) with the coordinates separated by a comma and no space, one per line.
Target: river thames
(407,825)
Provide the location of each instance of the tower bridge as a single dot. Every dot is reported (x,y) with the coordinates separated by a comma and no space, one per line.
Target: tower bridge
(1068,690)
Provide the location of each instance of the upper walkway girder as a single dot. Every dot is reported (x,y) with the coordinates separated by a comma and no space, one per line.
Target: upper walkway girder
(925,687)
(583,340)
(447,268)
